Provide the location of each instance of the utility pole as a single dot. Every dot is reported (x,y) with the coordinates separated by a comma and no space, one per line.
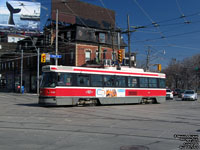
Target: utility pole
(38,71)
(147,60)
(56,59)
(129,41)
(119,39)
(113,50)
(21,70)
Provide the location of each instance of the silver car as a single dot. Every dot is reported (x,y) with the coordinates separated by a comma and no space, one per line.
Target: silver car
(189,95)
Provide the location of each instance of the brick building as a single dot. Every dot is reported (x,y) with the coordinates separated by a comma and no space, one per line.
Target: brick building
(86,37)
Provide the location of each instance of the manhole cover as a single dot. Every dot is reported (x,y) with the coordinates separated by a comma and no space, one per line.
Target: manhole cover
(134,147)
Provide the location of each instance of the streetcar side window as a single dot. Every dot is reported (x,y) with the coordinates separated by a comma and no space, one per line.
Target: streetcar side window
(153,83)
(109,81)
(65,79)
(143,82)
(133,82)
(162,83)
(83,80)
(120,81)
(96,80)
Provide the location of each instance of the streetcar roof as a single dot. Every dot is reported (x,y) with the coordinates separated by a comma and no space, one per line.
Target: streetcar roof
(106,71)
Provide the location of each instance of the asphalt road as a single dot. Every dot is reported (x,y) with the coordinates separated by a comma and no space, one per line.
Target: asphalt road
(24,125)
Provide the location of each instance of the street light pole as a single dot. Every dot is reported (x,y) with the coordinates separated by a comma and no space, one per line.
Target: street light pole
(38,71)
(56,37)
(21,70)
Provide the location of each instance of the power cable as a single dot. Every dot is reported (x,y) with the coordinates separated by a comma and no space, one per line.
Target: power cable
(182,14)
(108,12)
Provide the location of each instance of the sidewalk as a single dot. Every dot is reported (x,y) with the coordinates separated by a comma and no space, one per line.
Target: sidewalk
(20,94)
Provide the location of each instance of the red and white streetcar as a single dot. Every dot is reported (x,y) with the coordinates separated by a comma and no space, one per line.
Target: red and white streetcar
(67,85)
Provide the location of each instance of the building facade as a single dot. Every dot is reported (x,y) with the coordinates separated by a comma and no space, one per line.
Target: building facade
(84,39)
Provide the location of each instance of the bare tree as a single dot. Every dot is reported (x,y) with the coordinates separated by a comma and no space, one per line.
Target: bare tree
(184,74)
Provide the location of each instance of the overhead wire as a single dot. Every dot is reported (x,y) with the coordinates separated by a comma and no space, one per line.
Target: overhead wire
(152,21)
(180,10)
(114,22)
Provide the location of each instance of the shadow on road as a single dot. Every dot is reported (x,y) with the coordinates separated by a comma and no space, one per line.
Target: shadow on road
(30,105)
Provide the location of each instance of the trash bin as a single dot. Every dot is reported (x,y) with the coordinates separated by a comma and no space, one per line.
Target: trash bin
(22,89)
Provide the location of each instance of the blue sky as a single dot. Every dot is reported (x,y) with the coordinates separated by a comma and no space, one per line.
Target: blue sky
(178,36)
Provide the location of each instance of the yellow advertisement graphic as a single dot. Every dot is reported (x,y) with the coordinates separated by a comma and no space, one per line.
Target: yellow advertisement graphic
(111,93)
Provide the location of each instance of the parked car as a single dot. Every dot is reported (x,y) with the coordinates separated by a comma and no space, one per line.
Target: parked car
(176,92)
(180,95)
(169,94)
(189,95)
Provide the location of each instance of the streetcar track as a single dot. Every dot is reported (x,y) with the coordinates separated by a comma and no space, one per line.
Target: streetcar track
(71,125)
(88,132)
(122,119)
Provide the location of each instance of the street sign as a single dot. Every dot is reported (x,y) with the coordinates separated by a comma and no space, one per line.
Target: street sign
(47,57)
(55,56)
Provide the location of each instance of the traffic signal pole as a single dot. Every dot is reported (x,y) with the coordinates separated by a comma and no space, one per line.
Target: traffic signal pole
(38,72)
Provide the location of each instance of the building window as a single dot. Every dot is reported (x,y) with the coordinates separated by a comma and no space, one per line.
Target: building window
(42,42)
(97,55)
(69,35)
(62,37)
(87,56)
(114,56)
(26,45)
(104,53)
(102,37)
(13,64)
(71,56)
(8,65)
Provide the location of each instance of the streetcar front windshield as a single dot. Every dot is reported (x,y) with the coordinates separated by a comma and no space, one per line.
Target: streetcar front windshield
(49,79)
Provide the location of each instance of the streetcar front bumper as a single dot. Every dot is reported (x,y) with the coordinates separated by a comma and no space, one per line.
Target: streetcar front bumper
(47,100)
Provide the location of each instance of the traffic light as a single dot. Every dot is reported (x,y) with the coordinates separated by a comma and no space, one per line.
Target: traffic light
(120,56)
(159,67)
(43,58)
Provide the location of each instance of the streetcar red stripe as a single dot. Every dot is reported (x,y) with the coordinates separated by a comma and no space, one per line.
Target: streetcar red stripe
(54,68)
(67,92)
(92,92)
